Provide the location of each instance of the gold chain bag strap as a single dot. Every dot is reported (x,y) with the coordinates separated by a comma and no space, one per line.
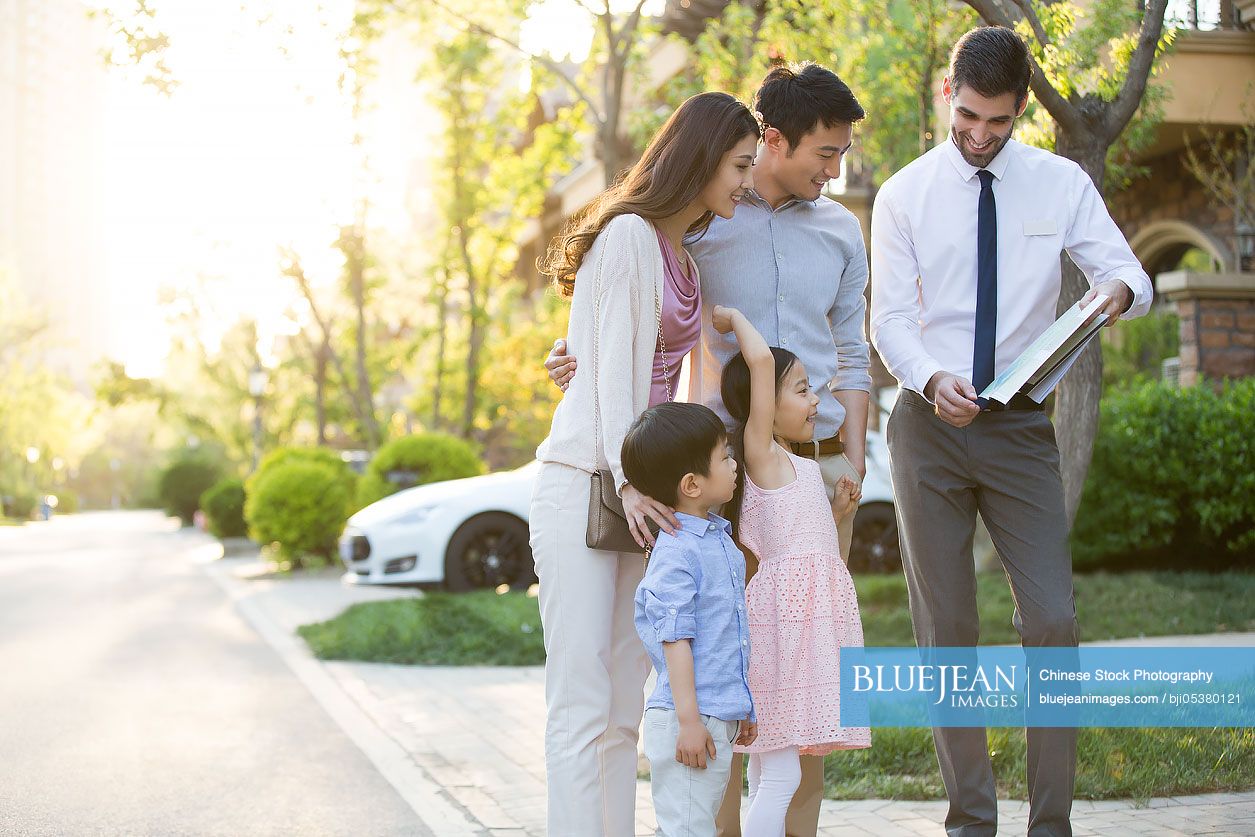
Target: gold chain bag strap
(607,521)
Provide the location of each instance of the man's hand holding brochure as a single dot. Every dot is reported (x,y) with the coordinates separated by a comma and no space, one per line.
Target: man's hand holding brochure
(1038,370)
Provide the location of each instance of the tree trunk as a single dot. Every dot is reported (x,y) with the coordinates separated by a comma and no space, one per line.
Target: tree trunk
(1076,405)
(474,338)
(355,253)
(320,392)
(442,331)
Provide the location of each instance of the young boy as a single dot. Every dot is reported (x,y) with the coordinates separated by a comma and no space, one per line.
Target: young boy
(690,614)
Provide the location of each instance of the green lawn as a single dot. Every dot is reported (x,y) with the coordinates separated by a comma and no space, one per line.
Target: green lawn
(488,629)
(480,628)
(1112,763)
(1108,606)
(485,628)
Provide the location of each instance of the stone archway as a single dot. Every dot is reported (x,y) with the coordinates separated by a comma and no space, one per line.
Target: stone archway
(1159,245)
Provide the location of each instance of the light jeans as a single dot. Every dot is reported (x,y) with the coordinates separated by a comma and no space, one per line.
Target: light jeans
(686,798)
(595,667)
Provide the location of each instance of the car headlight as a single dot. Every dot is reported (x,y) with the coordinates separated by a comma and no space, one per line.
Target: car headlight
(415,516)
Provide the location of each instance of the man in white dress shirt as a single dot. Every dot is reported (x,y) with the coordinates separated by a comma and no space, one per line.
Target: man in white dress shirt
(966,274)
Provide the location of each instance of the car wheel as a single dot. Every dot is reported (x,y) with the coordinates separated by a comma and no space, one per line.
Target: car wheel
(875,546)
(487,551)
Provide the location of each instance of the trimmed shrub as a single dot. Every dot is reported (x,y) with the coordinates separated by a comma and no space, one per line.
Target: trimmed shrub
(182,483)
(19,503)
(417,460)
(1172,482)
(282,456)
(223,505)
(67,501)
(300,506)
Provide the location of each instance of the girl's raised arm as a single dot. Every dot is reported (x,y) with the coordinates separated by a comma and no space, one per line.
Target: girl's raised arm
(760,447)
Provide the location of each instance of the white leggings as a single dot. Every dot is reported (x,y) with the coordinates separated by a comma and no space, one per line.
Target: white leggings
(774,777)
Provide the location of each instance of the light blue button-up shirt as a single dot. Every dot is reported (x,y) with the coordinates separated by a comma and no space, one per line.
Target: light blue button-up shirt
(797,273)
(695,589)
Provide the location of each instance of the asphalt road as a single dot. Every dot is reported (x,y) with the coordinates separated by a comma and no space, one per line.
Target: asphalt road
(134,700)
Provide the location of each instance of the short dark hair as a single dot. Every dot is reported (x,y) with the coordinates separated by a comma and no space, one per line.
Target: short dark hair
(665,443)
(793,101)
(992,60)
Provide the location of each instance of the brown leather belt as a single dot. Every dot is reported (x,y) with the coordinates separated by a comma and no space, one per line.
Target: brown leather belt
(814,450)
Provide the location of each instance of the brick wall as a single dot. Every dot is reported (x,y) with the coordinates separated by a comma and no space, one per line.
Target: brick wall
(1217,338)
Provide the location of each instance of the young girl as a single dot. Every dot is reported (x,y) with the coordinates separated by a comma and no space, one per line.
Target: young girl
(801,604)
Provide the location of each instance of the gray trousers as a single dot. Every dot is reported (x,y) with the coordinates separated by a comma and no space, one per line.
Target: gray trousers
(1006,466)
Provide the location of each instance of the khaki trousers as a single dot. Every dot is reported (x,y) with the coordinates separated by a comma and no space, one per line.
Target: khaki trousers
(803,817)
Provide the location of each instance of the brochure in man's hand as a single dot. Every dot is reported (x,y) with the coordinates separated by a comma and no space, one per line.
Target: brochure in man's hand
(1038,370)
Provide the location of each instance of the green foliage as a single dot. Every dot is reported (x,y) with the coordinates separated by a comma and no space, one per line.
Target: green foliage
(441,629)
(67,501)
(427,458)
(224,508)
(1172,480)
(18,503)
(299,507)
(183,482)
(1088,56)
(286,456)
(890,57)
(1135,352)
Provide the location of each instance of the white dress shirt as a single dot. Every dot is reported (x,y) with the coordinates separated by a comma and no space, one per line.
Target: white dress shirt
(923,259)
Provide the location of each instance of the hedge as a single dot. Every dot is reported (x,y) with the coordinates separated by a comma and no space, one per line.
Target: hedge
(417,460)
(1172,482)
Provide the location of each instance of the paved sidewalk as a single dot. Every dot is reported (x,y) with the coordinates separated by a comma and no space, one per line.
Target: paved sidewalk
(473,736)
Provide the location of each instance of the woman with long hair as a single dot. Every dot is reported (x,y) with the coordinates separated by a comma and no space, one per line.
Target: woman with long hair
(635,314)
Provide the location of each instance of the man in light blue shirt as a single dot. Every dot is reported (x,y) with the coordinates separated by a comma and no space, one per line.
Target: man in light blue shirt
(690,615)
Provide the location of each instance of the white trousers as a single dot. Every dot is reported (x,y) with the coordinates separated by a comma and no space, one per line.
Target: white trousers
(686,798)
(595,665)
(774,777)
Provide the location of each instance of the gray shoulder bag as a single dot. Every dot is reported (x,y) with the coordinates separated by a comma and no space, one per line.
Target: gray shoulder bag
(607,522)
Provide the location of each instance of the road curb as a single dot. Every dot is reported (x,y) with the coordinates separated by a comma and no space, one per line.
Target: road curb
(442,816)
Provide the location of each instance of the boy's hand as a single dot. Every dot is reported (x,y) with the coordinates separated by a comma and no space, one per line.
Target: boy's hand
(561,366)
(693,743)
(747,733)
(722,318)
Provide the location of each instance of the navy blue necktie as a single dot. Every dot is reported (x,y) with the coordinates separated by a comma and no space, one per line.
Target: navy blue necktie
(986,285)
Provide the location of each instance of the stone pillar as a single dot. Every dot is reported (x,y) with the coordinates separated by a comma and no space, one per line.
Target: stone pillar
(1217,312)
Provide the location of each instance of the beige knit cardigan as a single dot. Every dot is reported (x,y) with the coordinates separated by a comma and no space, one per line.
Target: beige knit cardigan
(625,264)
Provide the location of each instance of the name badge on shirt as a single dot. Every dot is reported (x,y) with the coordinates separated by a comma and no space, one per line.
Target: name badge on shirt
(1046,226)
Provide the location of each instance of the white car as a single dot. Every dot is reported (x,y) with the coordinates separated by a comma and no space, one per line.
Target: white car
(463,534)
(472,533)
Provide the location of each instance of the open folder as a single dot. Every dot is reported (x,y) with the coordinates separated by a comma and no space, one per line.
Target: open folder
(1040,367)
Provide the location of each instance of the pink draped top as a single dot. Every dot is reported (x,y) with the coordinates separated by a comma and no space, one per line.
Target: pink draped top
(681,319)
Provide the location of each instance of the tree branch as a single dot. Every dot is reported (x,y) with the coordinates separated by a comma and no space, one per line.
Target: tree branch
(629,27)
(1026,8)
(1064,112)
(297,272)
(1130,96)
(544,60)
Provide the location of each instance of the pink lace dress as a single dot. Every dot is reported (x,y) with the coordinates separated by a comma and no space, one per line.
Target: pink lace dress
(802,611)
